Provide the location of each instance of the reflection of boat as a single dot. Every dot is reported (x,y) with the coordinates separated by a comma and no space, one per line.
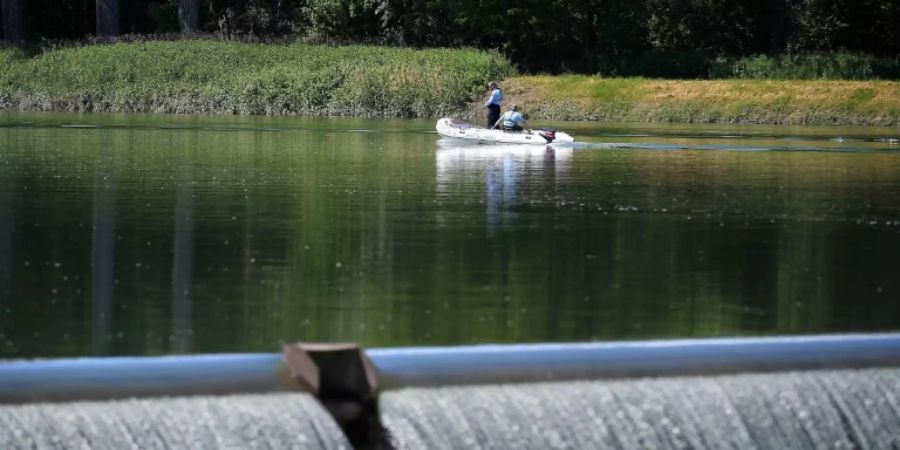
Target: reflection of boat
(465,163)
(451,153)
(506,173)
(458,129)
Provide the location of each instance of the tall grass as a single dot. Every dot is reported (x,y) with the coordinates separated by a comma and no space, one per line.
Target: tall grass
(242,78)
(801,102)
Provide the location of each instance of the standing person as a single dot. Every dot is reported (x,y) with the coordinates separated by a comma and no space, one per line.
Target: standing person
(493,104)
(511,120)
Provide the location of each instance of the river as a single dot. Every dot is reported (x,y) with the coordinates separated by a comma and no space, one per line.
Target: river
(147,234)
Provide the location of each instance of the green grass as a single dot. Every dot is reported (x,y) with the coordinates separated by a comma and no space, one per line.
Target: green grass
(240,78)
(801,102)
(219,77)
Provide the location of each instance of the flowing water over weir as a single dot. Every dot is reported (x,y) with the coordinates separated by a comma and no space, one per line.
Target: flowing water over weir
(797,392)
(271,421)
(815,409)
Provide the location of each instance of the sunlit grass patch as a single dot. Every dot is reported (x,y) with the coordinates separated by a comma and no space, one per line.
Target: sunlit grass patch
(737,100)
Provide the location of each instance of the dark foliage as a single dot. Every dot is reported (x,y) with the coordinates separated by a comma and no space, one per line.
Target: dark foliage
(672,38)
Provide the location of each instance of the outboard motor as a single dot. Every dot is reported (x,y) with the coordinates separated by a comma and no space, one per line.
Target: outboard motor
(547,134)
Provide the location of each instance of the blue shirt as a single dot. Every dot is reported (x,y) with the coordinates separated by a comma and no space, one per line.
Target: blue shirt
(496,98)
(512,119)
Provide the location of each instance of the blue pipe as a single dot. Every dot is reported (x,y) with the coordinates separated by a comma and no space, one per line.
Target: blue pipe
(124,377)
(109,378)
(485,364)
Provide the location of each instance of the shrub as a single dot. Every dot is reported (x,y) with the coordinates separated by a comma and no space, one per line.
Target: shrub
(846,66)
(657,65)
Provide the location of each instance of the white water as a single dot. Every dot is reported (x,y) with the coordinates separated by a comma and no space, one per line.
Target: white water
(803,410)
(280,421)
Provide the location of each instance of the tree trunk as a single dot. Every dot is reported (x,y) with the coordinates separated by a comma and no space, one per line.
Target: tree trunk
(188,12)
(107,17)
(14,21)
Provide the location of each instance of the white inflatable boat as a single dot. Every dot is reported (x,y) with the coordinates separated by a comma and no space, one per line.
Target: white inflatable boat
(455,128)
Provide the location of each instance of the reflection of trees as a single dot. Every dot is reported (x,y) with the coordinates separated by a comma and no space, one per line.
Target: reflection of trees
(576,271)
(183,262)
(668,251)
(102,258)
(421,259)
(9,202)
(8,205)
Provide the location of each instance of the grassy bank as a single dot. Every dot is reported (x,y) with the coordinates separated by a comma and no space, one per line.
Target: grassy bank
(799,102)
(216,77)
(240,78)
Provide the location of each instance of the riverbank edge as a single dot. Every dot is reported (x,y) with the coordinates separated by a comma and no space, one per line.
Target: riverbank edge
(183,103)
(776,108)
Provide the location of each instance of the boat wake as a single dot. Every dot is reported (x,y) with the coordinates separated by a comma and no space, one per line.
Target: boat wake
(720,147)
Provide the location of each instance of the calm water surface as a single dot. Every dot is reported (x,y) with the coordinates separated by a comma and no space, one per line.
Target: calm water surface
(139,234)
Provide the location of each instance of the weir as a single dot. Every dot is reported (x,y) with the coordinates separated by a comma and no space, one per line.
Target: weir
(785,392)
(272,421)
(792,410)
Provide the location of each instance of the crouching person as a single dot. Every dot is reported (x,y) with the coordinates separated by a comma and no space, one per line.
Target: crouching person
(511,120)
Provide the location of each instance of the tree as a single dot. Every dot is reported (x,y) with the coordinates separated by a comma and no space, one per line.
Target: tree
(188,12)
(714,27)
(14,21)
(108,17)
(817,24)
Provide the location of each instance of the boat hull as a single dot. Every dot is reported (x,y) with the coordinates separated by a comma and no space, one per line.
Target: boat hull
(458,129)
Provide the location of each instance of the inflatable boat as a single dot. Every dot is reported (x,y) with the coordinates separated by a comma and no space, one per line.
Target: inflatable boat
(458,129)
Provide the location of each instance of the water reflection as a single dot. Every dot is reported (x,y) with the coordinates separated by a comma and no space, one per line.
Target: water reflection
(163,238)
(502,166)
(103,258)
(183,261)
(8,202)
(500,182)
